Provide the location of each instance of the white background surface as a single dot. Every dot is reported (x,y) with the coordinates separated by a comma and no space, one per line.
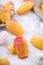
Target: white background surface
(31,22)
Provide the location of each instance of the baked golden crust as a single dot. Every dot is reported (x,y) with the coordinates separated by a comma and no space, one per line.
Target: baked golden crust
(4,15)
(14,27)
(4,61)
(10,7)
(37,41)
(42,7)
(12,49)
(22,49)
(25,7)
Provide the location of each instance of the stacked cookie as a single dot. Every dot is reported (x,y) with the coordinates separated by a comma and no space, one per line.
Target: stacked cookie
(19,46)
(6,11)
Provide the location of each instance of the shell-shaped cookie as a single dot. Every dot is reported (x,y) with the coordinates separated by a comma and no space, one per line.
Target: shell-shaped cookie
(4,61)
(21,47)
(3,37)
(37,41)
(14,27)
(4,15)
(10,7)
(25,7)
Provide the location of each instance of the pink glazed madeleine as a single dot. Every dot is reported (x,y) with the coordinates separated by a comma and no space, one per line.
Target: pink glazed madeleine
(3,37)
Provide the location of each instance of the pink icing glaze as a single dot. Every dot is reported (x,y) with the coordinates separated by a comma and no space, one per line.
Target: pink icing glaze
(11,6)
(12,10)
(3,8)
(17,40)
(12,20)
(11,2)
(0,6)
(3,37)
(3,41)
(27,0)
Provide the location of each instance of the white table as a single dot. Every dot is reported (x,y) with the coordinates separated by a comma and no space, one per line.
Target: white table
(31,22)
